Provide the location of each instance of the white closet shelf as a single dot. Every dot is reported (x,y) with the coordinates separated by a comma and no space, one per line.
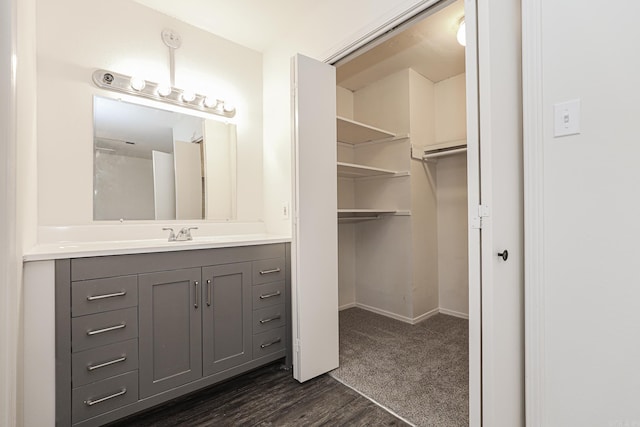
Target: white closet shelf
(433,152)
(352,170)
(357,215)
(352,132)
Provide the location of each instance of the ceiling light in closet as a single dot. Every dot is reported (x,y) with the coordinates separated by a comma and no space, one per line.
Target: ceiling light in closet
(462,32)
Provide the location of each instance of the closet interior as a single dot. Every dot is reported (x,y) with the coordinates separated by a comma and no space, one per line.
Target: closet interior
(402,181)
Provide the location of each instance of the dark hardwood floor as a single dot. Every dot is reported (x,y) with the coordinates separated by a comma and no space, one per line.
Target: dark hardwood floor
(268,396)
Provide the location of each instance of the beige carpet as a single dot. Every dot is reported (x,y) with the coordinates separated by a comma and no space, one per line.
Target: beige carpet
(418,371)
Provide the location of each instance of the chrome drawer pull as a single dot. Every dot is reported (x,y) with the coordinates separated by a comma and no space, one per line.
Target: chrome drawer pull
(105,364)
(273,294)
(276,341)
(274,270)
(116,294)
(91,402)
(196,294)
(110,328)
(271,319)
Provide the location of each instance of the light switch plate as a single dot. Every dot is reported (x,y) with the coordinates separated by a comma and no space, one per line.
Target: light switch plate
(566,118)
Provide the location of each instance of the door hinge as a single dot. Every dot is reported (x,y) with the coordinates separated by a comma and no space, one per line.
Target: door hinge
(296,346)
(483,212)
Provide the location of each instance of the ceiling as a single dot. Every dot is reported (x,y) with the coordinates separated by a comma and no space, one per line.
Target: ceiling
(429,47)
(256,24)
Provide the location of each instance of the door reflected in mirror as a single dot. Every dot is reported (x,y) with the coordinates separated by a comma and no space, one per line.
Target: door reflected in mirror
(151,163)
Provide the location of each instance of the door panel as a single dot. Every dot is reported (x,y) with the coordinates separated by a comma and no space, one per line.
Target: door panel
(501,189)
(315,241)
(226,333)
(170,329)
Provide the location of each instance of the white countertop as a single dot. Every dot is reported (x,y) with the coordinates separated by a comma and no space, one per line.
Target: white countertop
(103,248)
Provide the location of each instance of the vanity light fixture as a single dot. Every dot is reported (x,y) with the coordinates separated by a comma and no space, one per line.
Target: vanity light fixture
(137,83)
(161,92)
(188,96)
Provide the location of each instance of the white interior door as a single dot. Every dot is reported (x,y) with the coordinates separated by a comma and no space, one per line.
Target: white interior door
(188,176)
(314,249)
(164,187)
(500,119)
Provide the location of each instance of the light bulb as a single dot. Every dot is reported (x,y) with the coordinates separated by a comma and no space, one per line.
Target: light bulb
(462,33)
(188,96)
(229,107)
(164,90)
(137,83)
(210,101)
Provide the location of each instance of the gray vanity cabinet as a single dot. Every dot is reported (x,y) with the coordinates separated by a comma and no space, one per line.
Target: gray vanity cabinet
(226,316)
(169,329)
(134,331)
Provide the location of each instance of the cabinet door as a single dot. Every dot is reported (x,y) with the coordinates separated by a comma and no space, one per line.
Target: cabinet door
(170,326)
(226,316)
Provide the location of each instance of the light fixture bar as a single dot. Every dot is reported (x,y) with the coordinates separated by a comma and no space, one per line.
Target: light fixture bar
(122,83)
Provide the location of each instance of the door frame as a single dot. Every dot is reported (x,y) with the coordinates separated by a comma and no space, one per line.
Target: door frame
(533,162)
(397,21)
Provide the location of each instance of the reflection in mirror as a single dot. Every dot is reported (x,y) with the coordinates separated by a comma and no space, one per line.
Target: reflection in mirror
(157,164)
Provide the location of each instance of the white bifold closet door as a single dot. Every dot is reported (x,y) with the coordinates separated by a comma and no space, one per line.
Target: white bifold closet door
(314,251)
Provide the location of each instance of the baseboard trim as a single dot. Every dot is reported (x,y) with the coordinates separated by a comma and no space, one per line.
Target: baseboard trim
(425,316)
(385,313)
(344,307)
(454,313)
(405,319)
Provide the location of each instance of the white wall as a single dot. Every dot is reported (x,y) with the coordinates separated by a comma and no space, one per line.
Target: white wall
(453,258)
(424,184)
(591,211)
(453,244)
(124,36)
(119,197)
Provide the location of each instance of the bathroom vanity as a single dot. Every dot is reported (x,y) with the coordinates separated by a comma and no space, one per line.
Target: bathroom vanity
(135,328)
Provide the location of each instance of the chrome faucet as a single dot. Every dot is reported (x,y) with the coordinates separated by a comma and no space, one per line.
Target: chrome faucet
(185,234)
(172,235)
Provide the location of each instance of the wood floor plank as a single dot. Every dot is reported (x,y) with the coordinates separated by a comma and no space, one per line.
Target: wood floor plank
(268,397)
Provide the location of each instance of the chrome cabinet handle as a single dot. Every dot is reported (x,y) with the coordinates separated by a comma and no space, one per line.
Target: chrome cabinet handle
(273,294)
(103,330)
(209,292)
(273,270)
(105,364)
(270,319)
(97,297)
(195,287)
(276,341)
(91,402)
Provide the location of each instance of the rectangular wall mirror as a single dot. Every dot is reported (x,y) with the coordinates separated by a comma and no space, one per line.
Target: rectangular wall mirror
(155,164)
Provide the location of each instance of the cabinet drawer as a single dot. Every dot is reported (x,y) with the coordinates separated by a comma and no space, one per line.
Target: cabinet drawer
(104,396)
(103,362)
(268,318)
(96,296)
(268,342)
(268,270)
(100,329)
(268,295)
